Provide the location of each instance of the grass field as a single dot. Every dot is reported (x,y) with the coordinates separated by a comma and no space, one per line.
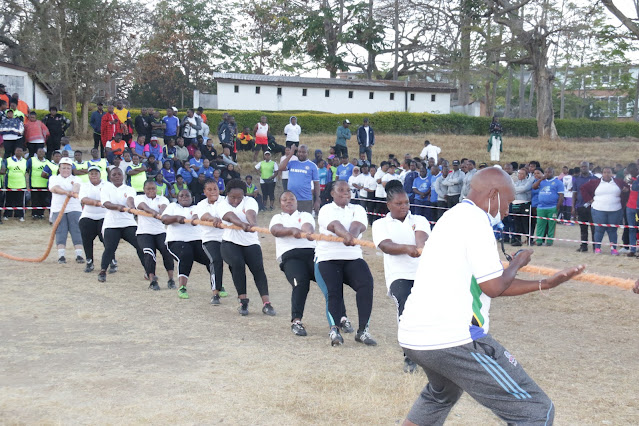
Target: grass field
(78,351)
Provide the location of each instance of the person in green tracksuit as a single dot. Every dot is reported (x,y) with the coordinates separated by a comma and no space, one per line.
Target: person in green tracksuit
(268,175)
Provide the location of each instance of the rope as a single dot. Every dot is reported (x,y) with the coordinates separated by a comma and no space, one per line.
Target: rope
(589,278)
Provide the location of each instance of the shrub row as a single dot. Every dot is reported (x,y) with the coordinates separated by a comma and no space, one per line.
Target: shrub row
(404,122)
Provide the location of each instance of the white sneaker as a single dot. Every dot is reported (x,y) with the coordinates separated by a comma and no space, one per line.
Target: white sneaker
(22,219)
(624,250)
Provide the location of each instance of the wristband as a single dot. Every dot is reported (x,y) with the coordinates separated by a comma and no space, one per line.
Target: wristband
(545,294)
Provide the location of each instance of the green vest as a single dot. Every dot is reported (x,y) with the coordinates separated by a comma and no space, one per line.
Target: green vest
(82,166)
(16,173)
(37,166)
(162,189)
(251,189)
(137,181)
(103,165)
(54,168)
(266,169)
(177,189)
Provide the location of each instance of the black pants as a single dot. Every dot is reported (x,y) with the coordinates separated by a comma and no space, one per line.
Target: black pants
(584,215)
(14,199)
(285,184)
(400,290)
(291,143)
(53,144)
(299,268)
(149,243)
(10,147)
(341,151)
(380,208)
(33,148)
(213,250)
(452,200)
(441,210)
(89,229)
(112,237)
(520,222)
(268,190)
(97,143)
(187,252)
(355,274)
(238,258)
(39,199)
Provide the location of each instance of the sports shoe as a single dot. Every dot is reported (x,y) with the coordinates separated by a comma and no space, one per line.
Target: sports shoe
(624,250)
(582,249)
(171,284)
(539,243)
(597,251)
(365,337)
(22,219)
(90,266)
(267,309)
(146,276)
(62,259)
(409,365)
(182,294)
(614,252)
(243,308)
(154,285)
(223,292)
(215,300)
(113,267)
(632,254)
(346,326)
(79,259)
(336,337)
(298,329)
(516,243)
(102,276)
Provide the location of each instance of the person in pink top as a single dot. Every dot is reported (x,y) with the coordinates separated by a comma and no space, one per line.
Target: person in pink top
(35,133)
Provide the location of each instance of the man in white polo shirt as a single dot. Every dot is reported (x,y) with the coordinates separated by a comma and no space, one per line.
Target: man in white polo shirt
(444,326)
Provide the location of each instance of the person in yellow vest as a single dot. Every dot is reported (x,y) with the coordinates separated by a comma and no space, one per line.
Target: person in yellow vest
(64,185)
(136,173)
(35,167)
(16,177)
(177,187)
(268,176)
(80,168)
(100,163)
(162,186)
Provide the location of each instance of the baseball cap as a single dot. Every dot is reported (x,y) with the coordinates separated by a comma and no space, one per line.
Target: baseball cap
(154,138)
(66,160)
(347,121)
(455,162)
(94,168)
(174,109)
(267,152)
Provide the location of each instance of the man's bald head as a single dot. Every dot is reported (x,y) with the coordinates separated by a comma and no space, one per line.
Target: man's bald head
(492,185)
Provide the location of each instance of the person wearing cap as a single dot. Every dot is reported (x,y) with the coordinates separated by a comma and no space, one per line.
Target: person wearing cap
(16,177)
(92,216)
(154,147)
(64,185)
(268,173)
(366,140)
(171,124)
(343,134)
(96,124)
(292,132)
(35,167)
(453,184)
(4,96)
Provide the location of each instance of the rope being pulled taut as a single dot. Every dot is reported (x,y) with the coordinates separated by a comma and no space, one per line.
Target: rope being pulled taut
(537,270)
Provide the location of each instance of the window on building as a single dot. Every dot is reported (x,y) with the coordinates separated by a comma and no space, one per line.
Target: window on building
(279,91)
(371,95)
(327,93)
(392,96)
(412,96)
(257,90)
(432,98)
(304,92)
(236,89)
(350,94)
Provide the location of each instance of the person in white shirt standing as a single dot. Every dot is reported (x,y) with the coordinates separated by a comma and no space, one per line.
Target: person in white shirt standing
(283,166)
(339,263)
(292,131)
(92,215)
(61,186)
(294,254)
(444,326)
(151,232)
(400,235)
(430,151)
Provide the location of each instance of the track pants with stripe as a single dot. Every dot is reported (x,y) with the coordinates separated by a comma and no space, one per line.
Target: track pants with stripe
(489,373)
(149,244)
(213,250)
(187,252)
(112,237)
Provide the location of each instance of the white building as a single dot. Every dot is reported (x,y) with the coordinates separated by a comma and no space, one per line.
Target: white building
(339,96)
(26,84)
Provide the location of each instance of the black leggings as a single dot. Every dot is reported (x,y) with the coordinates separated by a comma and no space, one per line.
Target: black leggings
(268,190)
(299,269)
(238,257)
(39,199)
(15,199)
(112,237)
(355,274)
(213,250)
(187,252)
(400,290)
(149,243)
(89,229)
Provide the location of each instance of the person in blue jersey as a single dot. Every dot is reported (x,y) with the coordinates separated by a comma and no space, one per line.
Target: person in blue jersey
(303,179)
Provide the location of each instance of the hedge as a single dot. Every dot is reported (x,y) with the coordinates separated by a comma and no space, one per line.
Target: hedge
(405,122)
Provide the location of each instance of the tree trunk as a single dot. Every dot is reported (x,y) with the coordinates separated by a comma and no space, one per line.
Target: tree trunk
(635,113)
(545,113)
(562,96)
(464,63)
(522,92)
(531,95)
(509,92)
(84,114)
(73,110)
(396,28)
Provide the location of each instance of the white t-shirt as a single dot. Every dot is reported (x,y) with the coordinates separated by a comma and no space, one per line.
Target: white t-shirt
(295,220)
(328,250)
(89,190)
(369,182)
(366,142)
(380,192)
(607,197)
(400,266)
(58,199)
(119,195)
(189,131)
(285,172)
(387,178)
(351,180)
(460,254)
(150,225)
(240,238)
(124,165)
(178,231)
(292,132)
(209,233)
(258,166)
(430,151)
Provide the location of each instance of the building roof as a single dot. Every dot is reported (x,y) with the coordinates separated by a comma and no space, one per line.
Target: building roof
(389,85)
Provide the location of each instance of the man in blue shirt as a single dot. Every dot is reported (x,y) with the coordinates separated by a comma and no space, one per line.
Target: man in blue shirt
(409,177)
(431,214)
(551,198)
(421,189)
(96,124)
(301,173)
(344,170)
(172,124)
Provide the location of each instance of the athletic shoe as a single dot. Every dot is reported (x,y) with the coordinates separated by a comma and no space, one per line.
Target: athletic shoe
(62,259)
(632,254)
(182,294)
(346,326)
(79,259)
(365,337)
(614,252)
(409,365)
(154,285)
(90,266)
(21,219)
(146,276)
(597,251)
(624,250)
(298,329)
(215,300)
(516,243)
(171,284)
(113,268)
(336,337)
(267,309)
(243,308)
(223,292)
(582,249)
(102,276)
(539,243)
